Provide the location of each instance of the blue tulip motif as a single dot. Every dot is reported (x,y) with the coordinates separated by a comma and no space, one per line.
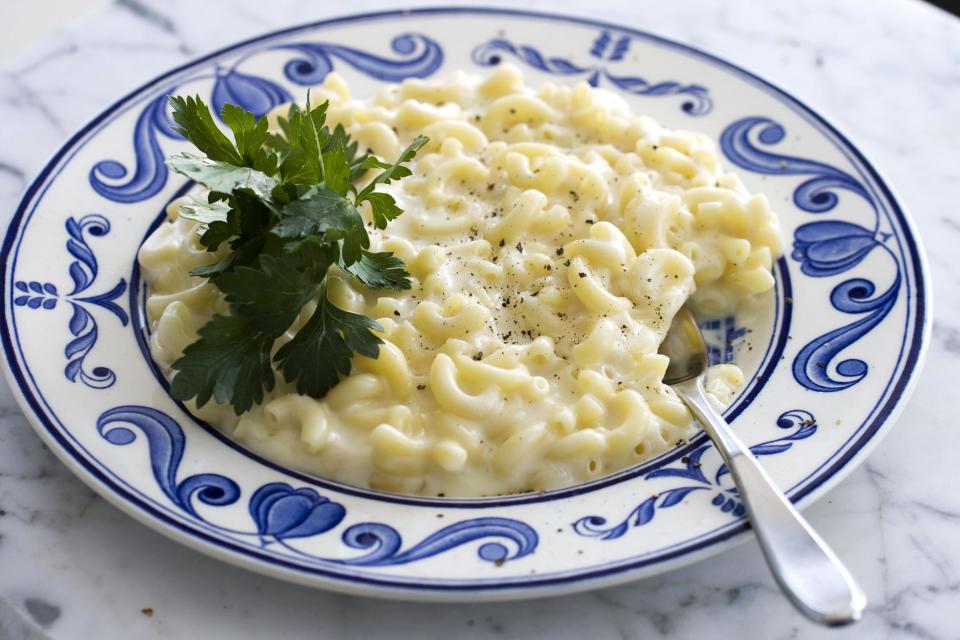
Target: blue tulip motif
(282,512)
(255,94)
(823,248)
(829,247)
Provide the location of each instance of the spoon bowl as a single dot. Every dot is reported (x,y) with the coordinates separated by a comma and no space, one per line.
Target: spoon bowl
(686,349)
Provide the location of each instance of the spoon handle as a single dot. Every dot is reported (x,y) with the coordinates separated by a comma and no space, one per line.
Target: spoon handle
(808,572)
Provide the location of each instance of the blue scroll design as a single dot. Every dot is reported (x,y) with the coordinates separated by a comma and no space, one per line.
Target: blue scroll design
(823,248)
(801,425)
(35,294)
(814,195)
(282,514)
(420,56)
(607,48)
(166,444)
(384,541)
(109,177)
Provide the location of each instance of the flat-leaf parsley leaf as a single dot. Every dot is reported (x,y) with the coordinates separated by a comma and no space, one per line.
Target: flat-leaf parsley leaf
(286,206)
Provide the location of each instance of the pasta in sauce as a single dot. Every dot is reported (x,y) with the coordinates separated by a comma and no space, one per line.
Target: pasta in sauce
(551,235)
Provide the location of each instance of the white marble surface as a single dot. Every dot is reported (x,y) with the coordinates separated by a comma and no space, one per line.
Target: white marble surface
(887,72)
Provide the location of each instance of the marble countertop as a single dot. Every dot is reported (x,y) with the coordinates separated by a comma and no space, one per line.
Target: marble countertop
(72,566)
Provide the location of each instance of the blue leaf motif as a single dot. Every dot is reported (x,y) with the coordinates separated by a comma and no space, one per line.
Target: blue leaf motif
(106,177)
(86,332)
(675,496)
(769,449)
(490,53)
(594,526)
(36,295)
(638,85)
(604,49)
(620,48)
(799,422)
(690,470)
(81,279)
(600,44)
(166,443)
(644,513)
(282,512)
(83,270)
(106,300)
(421,56)
(829,247)
(256,95)
(78,321)
(699,102)
(82,326)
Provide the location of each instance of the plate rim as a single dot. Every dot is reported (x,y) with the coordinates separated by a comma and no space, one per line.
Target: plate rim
(885,416)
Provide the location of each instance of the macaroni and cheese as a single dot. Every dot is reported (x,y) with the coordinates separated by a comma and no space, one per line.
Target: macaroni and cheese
(551,235)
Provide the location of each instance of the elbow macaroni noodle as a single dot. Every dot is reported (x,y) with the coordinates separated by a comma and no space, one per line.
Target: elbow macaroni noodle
(551,235)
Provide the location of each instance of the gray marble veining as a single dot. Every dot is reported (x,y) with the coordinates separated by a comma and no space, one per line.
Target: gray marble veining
(72,566)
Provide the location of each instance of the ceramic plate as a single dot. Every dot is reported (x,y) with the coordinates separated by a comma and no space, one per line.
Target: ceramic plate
(829,363)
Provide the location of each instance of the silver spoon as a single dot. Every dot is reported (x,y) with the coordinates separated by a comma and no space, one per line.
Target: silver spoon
(808,572)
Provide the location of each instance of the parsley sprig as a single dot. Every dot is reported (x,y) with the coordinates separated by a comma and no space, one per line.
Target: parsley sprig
(285,204)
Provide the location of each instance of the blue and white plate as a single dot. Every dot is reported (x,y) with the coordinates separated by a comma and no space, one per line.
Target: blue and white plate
(829,366)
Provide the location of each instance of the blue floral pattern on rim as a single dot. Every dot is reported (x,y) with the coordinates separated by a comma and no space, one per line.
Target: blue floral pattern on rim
(150,174)
(421,57)
(282,513)
(725,497)
(823,248)
(34,294)
(606,48)
(137,491)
